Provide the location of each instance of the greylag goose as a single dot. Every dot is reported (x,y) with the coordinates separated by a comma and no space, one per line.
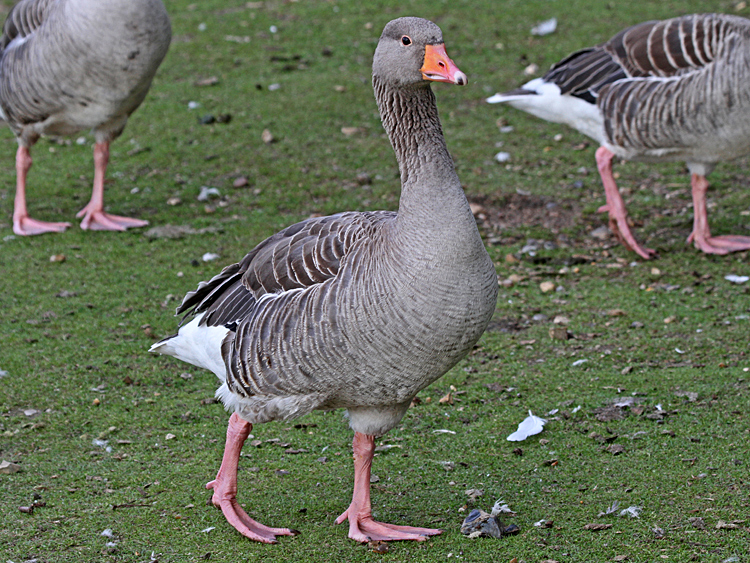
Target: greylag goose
(672,90)
(358,310)
(72,65)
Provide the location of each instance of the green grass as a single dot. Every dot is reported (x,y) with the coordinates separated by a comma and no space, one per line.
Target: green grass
(77,331)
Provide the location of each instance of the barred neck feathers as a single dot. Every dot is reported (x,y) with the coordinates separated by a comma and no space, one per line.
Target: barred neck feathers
(410,118)
(431,193)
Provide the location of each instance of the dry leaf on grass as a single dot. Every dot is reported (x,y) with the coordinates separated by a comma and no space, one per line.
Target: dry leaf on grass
(474,494)
(691,396)
(378,546)
(476,209)
(597,527)
(600,233)
(697,522)
(547,286)
(447,399)
(735,525)
(210,81)
(8,467)
(351,131)
(559,333)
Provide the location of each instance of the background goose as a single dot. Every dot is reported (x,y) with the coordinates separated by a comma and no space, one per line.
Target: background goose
(356,310)
(658,91)
(72,65)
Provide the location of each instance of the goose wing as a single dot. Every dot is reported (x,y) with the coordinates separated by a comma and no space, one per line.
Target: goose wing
(658,49)
(670,47)
(300,256)
(23,19)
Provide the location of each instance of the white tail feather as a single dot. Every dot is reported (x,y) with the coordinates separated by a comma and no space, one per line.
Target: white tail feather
(196,345)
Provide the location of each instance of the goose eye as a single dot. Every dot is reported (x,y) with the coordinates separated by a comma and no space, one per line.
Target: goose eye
(406,40)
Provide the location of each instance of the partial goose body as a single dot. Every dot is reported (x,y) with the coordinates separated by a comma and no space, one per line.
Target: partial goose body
(73,65)
(359,310)
(672,90)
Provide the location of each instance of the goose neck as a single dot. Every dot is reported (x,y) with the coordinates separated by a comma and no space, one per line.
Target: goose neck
(429,182)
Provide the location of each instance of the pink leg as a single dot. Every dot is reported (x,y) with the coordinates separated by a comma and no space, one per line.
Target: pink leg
(701,235)
(22,223)
(618,216)
(362,527)
(225,487)
(93,214)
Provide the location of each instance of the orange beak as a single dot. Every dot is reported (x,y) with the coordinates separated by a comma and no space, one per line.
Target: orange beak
(439,68)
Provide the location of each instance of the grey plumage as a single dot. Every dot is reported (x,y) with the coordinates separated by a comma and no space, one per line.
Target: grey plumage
(665,90)
(72,65)
(357,310)
(687,97)
(672,90)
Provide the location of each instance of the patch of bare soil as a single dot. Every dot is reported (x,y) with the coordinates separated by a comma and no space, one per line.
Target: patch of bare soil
(513,210)
(508,325)
(503,215)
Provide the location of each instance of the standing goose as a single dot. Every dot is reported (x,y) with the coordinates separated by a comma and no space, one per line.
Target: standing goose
(356,310)
(72,65)
(672,90)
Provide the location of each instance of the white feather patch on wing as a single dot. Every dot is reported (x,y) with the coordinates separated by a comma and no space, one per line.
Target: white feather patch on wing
(528,427)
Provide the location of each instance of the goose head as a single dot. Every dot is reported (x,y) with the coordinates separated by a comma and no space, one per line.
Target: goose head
(411,52)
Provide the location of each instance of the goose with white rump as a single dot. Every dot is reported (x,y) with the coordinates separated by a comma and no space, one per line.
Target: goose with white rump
(359,310)
(73,65)
(671,90)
